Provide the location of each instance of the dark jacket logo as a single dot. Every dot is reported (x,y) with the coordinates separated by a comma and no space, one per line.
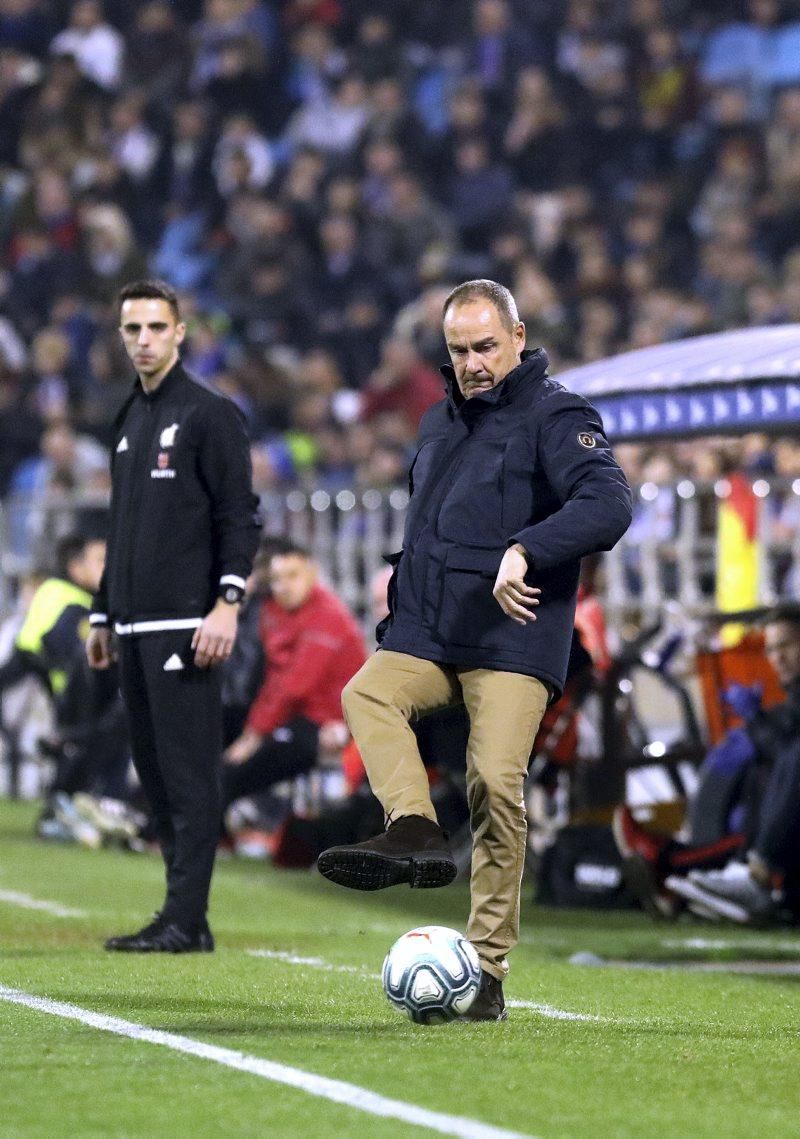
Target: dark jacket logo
(586,440)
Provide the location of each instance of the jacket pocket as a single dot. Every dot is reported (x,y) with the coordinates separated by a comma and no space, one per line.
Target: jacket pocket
(472,508)
(469,615)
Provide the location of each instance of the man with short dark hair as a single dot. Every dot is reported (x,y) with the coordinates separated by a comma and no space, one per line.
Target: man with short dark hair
(313,646)
(513,482)
(183,531)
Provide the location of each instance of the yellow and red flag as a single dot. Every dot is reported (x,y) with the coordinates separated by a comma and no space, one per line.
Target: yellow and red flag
(737,554)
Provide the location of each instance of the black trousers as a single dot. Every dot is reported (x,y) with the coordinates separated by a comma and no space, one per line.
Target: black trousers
(287,752)
(175,718)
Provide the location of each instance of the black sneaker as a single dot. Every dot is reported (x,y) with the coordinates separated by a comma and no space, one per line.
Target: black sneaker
(413,850)
(489,1003)
(164,937)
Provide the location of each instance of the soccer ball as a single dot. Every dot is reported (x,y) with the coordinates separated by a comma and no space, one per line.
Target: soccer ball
(432,974)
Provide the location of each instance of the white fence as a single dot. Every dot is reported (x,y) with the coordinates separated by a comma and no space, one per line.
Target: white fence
(669,552)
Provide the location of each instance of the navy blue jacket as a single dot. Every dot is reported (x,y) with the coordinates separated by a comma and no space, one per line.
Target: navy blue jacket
(525,462)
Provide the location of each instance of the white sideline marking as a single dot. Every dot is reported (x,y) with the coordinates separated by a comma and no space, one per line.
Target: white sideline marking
(559,1013)
(328,967)
(14,898)
(731,943)
(312,962)
(749,968)
(350,1095)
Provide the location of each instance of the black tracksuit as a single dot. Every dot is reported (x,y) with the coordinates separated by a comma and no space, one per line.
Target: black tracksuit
(183,520)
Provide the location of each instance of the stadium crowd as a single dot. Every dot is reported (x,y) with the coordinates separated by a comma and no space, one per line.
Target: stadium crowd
(313,175)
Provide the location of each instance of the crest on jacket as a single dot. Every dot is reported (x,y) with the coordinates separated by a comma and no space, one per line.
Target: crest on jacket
(167,436)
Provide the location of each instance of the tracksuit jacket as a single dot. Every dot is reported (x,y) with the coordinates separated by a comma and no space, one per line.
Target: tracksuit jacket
(311,652)
(524,462)
(183,519)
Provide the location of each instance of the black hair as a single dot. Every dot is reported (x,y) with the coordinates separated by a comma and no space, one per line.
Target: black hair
(69,547)
(150,290)
(278,546)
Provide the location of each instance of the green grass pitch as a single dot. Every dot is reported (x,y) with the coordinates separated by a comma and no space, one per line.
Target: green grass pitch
(667,1052)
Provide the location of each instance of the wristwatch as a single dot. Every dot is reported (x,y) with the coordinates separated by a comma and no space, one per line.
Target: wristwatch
(231,594)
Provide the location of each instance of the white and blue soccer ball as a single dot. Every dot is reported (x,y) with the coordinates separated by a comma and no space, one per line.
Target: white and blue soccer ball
(432,974)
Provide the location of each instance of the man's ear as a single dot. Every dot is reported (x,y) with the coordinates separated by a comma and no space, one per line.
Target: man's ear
(180,332)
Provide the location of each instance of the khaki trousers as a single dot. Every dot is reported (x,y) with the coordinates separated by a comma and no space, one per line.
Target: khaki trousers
(505,709)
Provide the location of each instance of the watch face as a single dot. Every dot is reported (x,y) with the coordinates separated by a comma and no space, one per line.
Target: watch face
(232,594)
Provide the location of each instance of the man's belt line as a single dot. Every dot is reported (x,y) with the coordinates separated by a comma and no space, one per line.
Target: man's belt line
(157,626)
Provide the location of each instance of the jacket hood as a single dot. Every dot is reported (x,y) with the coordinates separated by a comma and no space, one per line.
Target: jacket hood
(533,366)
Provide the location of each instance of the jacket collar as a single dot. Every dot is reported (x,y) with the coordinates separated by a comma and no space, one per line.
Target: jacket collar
(173,377)
(533,366)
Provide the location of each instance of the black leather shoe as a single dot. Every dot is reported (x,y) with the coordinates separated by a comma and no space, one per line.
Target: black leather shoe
(489,1003)
(164,937)
(413,850)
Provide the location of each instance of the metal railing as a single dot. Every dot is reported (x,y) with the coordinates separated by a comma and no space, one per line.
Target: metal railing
(669,553)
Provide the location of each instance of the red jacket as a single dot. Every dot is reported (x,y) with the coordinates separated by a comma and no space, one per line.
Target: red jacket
(311,654)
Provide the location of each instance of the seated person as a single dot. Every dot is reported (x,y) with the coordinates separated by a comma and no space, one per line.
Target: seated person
(759,888)
(765,755)
(313,645)
(53,631)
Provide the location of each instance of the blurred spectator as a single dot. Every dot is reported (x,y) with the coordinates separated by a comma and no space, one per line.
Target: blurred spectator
(70,468)
(333,124)
(26,25)
(478,193)
(20,429)
(97,47)
(500,46)
(402,383)
(157,56)
(242,157)
(111,255)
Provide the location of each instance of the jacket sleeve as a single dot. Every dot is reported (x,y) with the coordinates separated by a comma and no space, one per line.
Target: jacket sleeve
(284,694)
(224,462)
(595,498)
(64,641)
(99,613)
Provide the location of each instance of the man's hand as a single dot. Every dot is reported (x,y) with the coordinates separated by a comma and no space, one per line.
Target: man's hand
(213,640)
(246,746)
(98,647)
(515,598)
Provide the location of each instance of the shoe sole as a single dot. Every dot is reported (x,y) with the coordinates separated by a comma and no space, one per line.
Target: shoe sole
(153,949)
(366,870)
(479,1019)
(719,906)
